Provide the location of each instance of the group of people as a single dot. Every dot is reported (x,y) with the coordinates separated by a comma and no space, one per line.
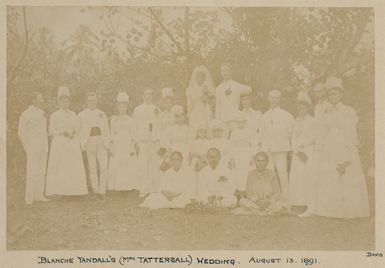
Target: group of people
(221,152)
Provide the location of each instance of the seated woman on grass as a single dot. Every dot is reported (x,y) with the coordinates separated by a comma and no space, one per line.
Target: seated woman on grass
(175,186)
(263,195)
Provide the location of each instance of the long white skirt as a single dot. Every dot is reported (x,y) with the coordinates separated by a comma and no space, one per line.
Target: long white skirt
(123,169)
(66,173)
(300,179)
(148,168)
(339,196)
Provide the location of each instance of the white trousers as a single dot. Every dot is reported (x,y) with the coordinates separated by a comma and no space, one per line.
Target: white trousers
(97,154)
(278,160)
(35,181)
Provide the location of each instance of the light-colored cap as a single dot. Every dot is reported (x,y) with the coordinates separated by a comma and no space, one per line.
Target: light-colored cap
(63,92)
(216,124)
(167,92)
(122,97)
(177,109)
(333,83)
(302,96)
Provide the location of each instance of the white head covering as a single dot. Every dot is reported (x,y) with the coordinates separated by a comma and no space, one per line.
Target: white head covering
(63,91)
(302,96)
(177,109)
(208,83)
(167,92)
(333,82)
(122,97)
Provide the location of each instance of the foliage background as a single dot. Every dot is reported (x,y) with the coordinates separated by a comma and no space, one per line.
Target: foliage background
(132,48)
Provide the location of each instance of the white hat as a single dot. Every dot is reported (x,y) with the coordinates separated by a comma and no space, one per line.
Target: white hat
(63,91)
(167,92)
(216,124)
(302,96)
(333,82)
(122,97)
(177,109)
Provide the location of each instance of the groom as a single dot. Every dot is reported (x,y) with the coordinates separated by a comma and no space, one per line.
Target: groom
(227,97)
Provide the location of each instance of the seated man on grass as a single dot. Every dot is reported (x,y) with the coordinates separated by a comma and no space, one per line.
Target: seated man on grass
(215,182)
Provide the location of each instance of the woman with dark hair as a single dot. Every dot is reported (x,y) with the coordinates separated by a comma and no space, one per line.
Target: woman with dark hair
(176,187)
(263,195)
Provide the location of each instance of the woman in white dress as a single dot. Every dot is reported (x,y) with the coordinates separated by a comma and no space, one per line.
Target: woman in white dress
(123,173)
(302,143)
(340,187)
(199,91)
(66,173)
(176,189)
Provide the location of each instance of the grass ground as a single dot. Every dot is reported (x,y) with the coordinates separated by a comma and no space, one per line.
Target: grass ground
(117,223)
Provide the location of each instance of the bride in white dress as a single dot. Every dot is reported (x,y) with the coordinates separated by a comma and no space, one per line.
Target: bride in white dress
(199,90)
(66,173)
(123,174)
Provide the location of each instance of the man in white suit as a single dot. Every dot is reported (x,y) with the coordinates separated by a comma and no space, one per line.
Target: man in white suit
(227,96)
(95,140)
(32,133)
(276,129)
(216,185)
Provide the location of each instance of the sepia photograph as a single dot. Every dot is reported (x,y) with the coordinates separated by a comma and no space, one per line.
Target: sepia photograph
(190,128)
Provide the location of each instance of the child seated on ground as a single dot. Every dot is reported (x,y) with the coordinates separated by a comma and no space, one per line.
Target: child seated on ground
(175,187)
(263,195)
